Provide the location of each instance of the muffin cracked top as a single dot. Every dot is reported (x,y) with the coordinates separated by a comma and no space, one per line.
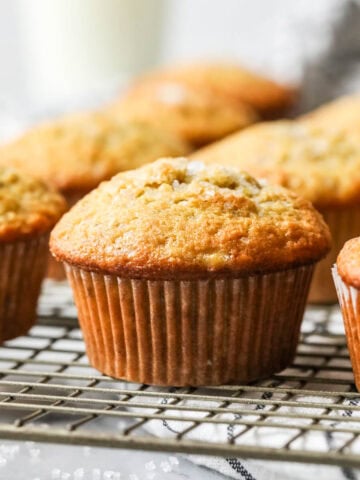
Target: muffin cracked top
(180,219)
(230,81)
(321,165)
(27,206)
(342,113)
(195,115)
(79,151)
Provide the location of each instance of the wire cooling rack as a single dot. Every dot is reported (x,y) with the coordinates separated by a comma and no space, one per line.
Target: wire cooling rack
(308,413)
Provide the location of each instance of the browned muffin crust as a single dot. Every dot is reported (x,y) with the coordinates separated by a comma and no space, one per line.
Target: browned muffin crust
(178,219)
(195,115)
(342,113)
(76,152)
(27,206)
(348,262)
(321,165)
(230,81)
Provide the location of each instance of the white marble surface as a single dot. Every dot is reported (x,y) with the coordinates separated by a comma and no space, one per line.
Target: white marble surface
(37,461)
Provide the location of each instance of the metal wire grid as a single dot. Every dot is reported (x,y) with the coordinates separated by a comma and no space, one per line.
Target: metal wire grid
(308,413)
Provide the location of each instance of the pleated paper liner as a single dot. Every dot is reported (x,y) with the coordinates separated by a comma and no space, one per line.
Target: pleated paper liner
(349,300)
(344,223)
(22,268)
(198,332)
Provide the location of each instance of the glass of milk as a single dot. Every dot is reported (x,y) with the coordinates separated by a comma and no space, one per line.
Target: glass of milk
(77,49)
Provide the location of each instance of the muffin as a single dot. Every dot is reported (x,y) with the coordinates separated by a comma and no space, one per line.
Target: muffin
(346,274)
(75,153)
(28,211)
(342,113)
(321,165)
(186,275)
(197,116)
(231,82)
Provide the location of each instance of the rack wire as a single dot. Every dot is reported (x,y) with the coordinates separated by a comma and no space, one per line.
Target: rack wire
(310,412)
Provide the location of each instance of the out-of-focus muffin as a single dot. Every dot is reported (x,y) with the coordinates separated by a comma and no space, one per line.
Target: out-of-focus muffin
(197,116)
(342,113)
(190,275)
(346,274)
(321,165)
(231,82)
(28,211)
(77,152)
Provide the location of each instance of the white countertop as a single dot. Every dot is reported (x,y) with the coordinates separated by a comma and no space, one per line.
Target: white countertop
(38,461)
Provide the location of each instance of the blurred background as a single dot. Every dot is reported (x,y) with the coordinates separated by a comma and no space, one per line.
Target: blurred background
(59,54)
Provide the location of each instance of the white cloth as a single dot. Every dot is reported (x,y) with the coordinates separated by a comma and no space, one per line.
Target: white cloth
(331,51)
(267,437)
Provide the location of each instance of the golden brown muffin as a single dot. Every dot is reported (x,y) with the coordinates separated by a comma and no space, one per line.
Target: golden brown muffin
(342,113)
(179,252)
(226,213)
(28,211)
(232,82)
(28,207)
(197,116)
(76,152)
(348,262)
(321,165)
(346,275)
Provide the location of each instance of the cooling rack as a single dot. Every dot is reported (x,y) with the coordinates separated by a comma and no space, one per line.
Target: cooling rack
(308,413)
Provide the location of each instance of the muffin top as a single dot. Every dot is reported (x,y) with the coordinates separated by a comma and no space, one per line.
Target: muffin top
(320,165)
(195,115)
(348,262)
(230,81)
(27,206)
(342,113)
(180,219)
(78,151)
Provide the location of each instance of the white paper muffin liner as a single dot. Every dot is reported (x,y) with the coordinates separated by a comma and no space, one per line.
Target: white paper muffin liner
(349,300)
(198,332)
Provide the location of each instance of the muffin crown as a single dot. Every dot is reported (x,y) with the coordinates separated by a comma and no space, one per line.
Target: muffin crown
(348,262)
(175,218)
(230,81)
(194,114)
(321,165)
(79,151)
(27,206)
(344,112)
